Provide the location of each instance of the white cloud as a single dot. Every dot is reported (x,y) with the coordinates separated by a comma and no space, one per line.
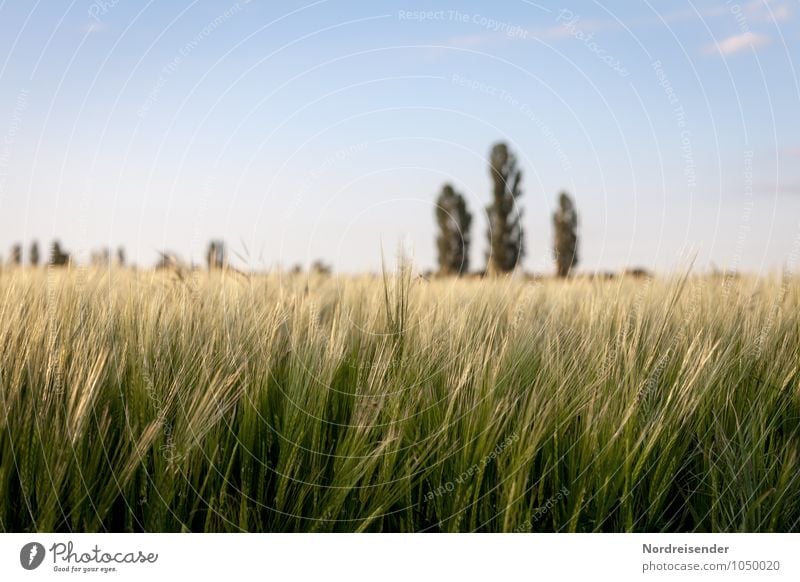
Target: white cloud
(767,11)
(738,42)
(782,13)
(754,11)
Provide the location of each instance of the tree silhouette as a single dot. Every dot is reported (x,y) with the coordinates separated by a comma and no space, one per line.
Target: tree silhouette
(58,258)
(101,258)
(16,255)
(215,256)
(454,222)
(565,235)
(33,254)
(167,260)
(121,257)
(320,267)
(506,245)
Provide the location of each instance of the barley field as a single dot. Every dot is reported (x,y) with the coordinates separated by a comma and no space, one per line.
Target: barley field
(226,402)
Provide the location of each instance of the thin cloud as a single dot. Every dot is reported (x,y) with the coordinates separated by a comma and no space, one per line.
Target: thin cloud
(566,28)
(567,24)
(787,190)
(738,42)
(767,11)
(473,40)
(753,11)
(95,26)
(782,13)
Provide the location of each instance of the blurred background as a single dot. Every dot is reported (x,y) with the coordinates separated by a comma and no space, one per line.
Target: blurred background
(324,131)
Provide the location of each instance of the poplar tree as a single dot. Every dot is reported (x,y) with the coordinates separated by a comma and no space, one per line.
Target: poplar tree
(565,235)
(505,234)
(454,221)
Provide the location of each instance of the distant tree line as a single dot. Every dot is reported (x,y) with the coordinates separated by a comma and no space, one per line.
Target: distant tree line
(60,257)
(505,234)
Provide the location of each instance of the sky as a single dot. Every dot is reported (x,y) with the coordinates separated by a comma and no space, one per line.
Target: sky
(298,131)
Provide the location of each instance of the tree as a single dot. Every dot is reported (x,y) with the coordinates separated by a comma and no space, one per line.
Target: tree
(167,260)
(16,255)
(33,254)
(320,267)
(101,258)
(565,235)
(506,245)
(454,222)
(215,256)
(58,258)
(120,256)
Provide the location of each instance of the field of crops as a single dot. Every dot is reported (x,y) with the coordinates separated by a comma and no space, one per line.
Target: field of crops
(222,402)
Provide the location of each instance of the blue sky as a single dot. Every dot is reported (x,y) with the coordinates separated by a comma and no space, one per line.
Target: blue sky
(304,130)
